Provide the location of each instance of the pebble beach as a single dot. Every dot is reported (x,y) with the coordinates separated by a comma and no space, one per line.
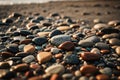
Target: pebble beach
(61,40)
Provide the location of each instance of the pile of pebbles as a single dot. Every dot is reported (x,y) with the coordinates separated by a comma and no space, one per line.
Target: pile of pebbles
(59,48)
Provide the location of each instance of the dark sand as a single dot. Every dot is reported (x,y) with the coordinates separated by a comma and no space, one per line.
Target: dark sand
(86,10)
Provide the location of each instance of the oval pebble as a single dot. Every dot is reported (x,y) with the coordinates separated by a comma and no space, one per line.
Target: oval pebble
(55,69)
(102,77)
(95,50)
(58,39)
(101,45)
(114,41)
(100,26)
(29,48)
(67,45)
(54,32)
(44,57)
(88,69)
(28,59)
(106,71)
(13,48)
(117,50)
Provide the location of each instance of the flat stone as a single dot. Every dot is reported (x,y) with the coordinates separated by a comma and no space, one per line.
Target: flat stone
(63,28)
(44,57)
(101,45)
(13,48)
(43,34)
(93,39)
(88,69)
(26,41)
(95,50)
(71,59)
(58,39)
(29,48)
(109,36)
(117,50)
(25,32)
(20,67)
(28,59)
(100,26)
(114,22)
(106,71)
(109,31)
(74,25)
(54,33)
(102,77)
(55,50)
(67,45)
(39,40)
(88,56)
(84,43)
(55,69)
(114,42)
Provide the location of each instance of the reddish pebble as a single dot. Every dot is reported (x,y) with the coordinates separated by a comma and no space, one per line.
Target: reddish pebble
(88,56)
(55,77)
(67,46)
(102,77)
(105,51)
(58,56)
(88,69)
(26,41)
(36,78)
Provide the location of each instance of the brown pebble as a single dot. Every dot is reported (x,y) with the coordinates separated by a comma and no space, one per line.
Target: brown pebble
(118,50)
(6,54)
(67,46)
(55,77)
(36,78)
(44,57)
(26,41)
(114,41)
(105,51)
(43,34)
(58,56)
(102,77)
(29,48)
(74,25)
(88,69)
(34,66)
(63,28)
(88,56)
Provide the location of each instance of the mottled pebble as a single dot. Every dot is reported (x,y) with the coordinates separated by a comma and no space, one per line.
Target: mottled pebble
(101,45)
(106,71)
(44,57)
(28,59)
(55,50)
(55,69)
(67,76)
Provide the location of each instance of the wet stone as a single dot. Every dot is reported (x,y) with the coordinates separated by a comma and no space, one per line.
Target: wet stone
(13,48)
(101,45)
(39,40)
(43,57)
(21,54)
(95,50)
(55,69)
(6,55)
(58,39)
(84,43)
(71,59)
(88,69)
(67,45)
(88,56)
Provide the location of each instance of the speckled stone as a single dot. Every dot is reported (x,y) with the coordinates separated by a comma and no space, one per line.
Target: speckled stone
(44,57)
(55,32)
(58,39)
(106,71)
(93,39)
(55,50)
(55,69)
(28,59)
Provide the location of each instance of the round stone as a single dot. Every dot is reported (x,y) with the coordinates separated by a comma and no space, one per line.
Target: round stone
(105,51)
(101,45)
(67,45)
(7,20)
(29,48)
(71,59)
(55,69)
(102,77)
(117,50)
(67,76)
(15,15)
(83,78)
(39,40)
(55,50)
(6,55)
(54,32)
(58,39)
(13,48)
(109,30)
(88,56)
(114,41)
(84,43)
(88,69)
(4,65)
(106,71)
(44,57)
(100,26)
(95,50)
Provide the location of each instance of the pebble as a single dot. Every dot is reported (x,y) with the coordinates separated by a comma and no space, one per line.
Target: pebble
(15,15)
(102,77)
(58,39)
(100,26)
(7,20)
(109,36)
(114,22)
(83,78)
(71,59)
(43,34)
(13,48)
(44,57)
(28,59)
(109,30)
(117,50)
(29,48)
(39,40)
(106,71)
(88,69)
(67,45)
(67,76)
(95,50)
(114,42)
(54,32)
(63,28)
(88,56)
(84,43)
(55,69)
(4,65)
(101,45)
(94,39)
(55,50)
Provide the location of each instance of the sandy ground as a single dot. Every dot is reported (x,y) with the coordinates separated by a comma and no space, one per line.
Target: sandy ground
(86,10)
